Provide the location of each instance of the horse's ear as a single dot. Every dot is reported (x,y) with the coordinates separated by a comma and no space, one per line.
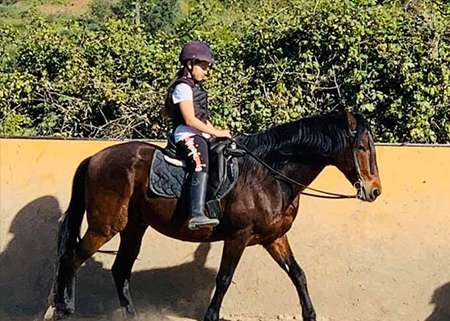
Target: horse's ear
(351,120)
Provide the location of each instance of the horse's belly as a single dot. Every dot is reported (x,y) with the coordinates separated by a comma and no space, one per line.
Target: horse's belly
(164,216)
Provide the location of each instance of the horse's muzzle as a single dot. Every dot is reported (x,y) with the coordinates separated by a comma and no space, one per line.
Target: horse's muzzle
(367,194)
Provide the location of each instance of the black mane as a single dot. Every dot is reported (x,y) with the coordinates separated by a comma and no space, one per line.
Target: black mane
(319,136)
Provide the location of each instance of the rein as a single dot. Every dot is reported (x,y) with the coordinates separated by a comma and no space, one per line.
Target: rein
(328,195)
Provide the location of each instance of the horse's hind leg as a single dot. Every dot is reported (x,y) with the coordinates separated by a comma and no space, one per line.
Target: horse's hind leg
(130,243)
(282,254)
(68,265)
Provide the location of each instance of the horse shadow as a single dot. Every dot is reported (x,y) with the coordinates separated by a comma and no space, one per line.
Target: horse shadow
(182,290)
(27,269)
(441,301)
(26,264)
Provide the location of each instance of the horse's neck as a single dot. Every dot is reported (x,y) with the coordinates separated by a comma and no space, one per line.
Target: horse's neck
(304,174)
(300,150)
(310,142)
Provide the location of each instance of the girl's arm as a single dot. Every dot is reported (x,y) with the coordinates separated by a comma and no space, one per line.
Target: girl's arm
(208,123)
(187,110)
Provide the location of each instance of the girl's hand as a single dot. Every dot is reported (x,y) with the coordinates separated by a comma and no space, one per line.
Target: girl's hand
(222,133)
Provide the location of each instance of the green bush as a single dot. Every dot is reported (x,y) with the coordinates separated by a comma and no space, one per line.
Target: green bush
(384,62)
(106,75)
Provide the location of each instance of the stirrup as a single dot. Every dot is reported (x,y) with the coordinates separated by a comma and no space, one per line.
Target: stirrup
(203,222)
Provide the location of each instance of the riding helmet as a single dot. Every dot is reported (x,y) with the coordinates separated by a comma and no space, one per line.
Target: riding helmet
(196,50)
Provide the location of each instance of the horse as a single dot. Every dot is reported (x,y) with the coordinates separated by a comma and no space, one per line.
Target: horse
(112,188)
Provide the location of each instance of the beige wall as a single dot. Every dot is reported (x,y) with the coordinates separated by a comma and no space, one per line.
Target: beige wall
(388,260)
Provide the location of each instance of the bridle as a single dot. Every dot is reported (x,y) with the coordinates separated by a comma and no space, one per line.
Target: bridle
(326,194)
(359,182)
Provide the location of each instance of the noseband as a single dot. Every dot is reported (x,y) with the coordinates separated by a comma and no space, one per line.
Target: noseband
(359,182)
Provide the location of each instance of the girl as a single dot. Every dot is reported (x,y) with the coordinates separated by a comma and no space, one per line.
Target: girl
(187,106)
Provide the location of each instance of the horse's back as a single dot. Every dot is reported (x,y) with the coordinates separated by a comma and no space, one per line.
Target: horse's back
(121,166)
(124,154)
(139,149)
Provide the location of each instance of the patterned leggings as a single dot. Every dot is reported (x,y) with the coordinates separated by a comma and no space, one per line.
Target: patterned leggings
(195,149)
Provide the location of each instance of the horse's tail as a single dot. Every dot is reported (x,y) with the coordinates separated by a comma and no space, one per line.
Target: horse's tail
(69,231)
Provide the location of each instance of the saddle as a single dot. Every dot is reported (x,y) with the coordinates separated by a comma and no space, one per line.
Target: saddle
(169,177)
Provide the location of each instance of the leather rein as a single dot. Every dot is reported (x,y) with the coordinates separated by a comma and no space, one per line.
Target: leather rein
(279,175)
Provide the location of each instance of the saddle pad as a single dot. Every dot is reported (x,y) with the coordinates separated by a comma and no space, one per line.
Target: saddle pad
(166,179)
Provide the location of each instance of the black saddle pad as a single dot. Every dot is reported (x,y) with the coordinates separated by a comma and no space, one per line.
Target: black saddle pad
(168,180)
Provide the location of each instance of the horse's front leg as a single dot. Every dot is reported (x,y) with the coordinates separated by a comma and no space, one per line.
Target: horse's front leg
(232,252)
(282,254)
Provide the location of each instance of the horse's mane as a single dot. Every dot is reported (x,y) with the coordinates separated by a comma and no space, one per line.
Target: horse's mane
(318,136)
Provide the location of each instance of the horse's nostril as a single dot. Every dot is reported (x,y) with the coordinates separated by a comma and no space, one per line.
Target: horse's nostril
(376,192)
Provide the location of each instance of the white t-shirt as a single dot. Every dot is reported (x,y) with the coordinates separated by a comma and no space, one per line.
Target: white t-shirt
(183,92)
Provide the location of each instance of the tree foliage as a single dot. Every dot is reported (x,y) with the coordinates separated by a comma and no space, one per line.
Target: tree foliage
(106,74)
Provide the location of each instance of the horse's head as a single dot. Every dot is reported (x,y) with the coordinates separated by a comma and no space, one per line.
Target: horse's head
(358,162)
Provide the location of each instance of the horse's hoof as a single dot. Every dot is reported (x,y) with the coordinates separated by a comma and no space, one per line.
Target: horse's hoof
(129,313)
(50,314)
(311,317)
(211,315)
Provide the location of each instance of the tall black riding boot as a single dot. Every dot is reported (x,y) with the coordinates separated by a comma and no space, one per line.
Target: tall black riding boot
(198,219)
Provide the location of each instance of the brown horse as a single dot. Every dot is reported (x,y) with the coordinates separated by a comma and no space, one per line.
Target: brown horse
(112,187)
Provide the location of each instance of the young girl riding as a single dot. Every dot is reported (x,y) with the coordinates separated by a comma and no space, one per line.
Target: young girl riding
(187,106)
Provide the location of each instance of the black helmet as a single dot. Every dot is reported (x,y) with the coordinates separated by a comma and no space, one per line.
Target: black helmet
(196,50)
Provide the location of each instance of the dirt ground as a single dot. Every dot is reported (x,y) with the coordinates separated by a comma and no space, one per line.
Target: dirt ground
(117,316)
(74,7)
(384,261)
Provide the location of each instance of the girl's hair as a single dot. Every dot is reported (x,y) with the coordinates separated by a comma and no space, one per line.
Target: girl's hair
(182,72)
